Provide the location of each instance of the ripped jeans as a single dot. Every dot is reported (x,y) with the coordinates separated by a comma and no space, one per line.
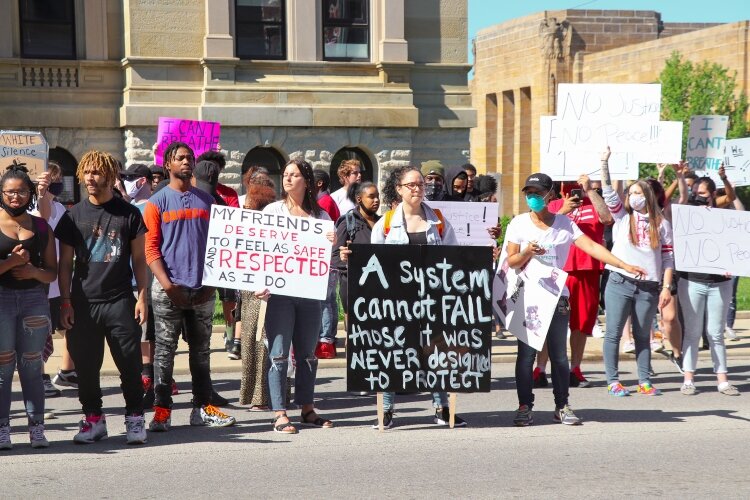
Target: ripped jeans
(24,329)
(292,321)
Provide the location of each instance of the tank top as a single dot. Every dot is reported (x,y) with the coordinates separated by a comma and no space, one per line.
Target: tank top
(33,245)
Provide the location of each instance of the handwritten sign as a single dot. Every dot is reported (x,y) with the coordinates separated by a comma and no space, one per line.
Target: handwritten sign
(569,165)
(199,135)
(29,148)
(598,103)
(706,141)
(250,250)
(469,220)
(713,241)
(526,300)
(419,318)
(737,161)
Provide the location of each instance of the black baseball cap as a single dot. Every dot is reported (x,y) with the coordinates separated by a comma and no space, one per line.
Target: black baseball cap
(539,181)
(137,170)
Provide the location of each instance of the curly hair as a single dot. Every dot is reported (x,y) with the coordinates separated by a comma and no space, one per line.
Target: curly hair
(260,192)
(99,162)
(19,171)
(390,195)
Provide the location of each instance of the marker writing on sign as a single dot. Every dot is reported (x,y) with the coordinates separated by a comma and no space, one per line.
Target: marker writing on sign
(484,215)
(468,229)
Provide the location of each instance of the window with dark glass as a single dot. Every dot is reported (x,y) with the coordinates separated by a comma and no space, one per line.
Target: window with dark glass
(346,30)
(47,29)
(261,30)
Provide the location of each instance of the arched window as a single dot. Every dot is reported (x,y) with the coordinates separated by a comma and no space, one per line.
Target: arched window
(368,174)
(68,164)
(266,157)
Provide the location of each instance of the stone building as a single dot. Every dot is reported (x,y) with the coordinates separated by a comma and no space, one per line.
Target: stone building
(519,63)
(381,80)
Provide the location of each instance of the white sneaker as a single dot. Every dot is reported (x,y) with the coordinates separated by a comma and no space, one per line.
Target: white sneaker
(628,347)
(597,332)
(36,436)
(5,443)
(91,429)
(730,334)
(135,429)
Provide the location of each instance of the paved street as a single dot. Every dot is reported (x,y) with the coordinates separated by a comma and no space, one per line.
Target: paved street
(671,446)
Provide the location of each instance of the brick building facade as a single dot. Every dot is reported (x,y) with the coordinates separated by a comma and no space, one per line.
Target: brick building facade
(519,63)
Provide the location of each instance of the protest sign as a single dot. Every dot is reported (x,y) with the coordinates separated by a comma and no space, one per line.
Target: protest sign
(27,148)
(713,241)
(705,146)
(420,318)
(199,135)
(569,165)
(250,250)
(469,220)
(737,161)
(525,300)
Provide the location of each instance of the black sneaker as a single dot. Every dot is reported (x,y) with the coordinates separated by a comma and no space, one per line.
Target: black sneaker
(540,378)
(66,379)
(218,400)
(443,417)
(234,350)
(676,361)
(387,421)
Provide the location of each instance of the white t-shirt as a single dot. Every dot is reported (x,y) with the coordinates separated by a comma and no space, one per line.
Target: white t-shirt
(556,240)
(344,203)
(57,211)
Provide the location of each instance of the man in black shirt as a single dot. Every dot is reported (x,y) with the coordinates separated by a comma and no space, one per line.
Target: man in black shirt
(97,301)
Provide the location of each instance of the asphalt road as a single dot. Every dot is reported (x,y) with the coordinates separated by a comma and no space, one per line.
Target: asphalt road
(672,446)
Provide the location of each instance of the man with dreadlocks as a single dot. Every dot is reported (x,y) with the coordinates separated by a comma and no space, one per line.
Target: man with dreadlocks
(177,219)
(96,298)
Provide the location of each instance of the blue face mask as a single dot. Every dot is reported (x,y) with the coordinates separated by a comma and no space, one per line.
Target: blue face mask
(535,202)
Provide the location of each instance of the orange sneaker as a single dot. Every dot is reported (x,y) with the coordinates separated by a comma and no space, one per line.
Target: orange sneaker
(162,419)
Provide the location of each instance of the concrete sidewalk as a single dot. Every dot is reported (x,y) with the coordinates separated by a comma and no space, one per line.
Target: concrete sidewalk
(503,351)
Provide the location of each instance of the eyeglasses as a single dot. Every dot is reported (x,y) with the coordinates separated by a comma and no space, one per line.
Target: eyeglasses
(18,194)
(413,186)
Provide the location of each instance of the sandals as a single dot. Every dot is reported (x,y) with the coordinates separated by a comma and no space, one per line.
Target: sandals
(259,408)
(320,423)
(285,428)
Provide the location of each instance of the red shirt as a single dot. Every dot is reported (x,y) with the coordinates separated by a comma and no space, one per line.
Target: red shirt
(329,205)
(588,222)
(228,194)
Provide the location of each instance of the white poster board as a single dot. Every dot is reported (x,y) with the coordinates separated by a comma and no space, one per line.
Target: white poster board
(526,300)
(569,165)
(705,146)
(737,161)
(470,220)
(711,240)
(250,250)
(28,148)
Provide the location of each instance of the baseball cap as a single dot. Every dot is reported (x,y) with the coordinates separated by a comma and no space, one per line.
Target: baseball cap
(539,181)
(137,170)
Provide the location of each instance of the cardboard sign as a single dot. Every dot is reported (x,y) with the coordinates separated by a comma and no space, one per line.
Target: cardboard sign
(469,220)
(27,148)
(199,135)
(525,300)
(250,250)
(569,165)
(420,318)
(705,146)
(711,240)
(737,161)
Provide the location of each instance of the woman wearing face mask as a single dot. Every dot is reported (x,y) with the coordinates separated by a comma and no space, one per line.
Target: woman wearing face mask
(547,237)
(705,295)
(642,235)
(28,263)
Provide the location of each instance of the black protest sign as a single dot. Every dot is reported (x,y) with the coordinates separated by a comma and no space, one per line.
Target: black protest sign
(420,318)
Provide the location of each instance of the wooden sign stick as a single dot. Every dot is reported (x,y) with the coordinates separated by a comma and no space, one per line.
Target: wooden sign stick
(452,408)
(380,412)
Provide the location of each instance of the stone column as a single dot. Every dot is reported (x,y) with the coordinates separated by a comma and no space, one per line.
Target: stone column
(218,42)
(303,28)
(7,33)
(389,15)
(95,25)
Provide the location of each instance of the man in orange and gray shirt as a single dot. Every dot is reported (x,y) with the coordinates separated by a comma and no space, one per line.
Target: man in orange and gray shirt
(177,218)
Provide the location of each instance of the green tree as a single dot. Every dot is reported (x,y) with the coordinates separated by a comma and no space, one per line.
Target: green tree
(702,88)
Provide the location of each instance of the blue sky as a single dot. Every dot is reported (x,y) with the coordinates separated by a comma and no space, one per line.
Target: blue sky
(485,13)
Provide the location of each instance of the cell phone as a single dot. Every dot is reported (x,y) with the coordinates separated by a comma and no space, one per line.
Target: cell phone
(577,192)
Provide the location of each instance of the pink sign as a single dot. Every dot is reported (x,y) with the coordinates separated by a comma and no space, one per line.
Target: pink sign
(200,136)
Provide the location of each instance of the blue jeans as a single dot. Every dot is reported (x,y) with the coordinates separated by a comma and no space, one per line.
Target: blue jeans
(557,340)
(292,321)
(696,300)
(330,310)
(626,297)
(439,400)
(732,312)
(24,328)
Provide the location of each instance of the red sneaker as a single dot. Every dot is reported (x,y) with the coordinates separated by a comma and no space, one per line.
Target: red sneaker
(175,392)
(325,350)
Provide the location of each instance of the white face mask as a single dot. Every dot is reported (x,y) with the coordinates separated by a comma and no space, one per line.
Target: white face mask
(134,190)
(637,201)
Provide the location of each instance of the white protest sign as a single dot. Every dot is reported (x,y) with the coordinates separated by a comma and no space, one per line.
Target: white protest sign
(569,165)
(666,145)
(737,161)
(713,241)
(22,147)
(469,220)
(705,146)
(624,117)
(250,250)
(526,301)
